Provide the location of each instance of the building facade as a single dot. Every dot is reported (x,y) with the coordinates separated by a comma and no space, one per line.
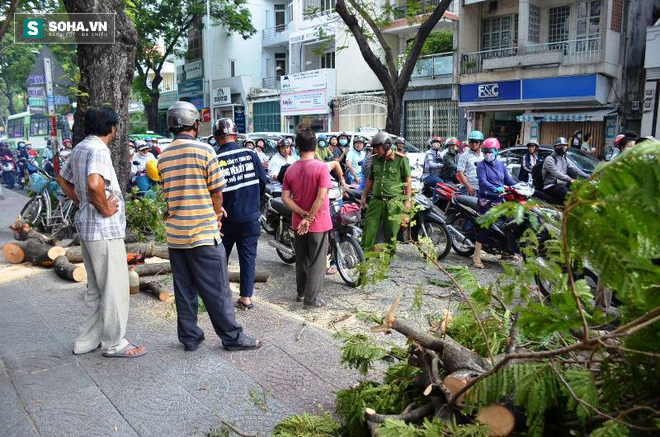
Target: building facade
(650,103)
(532,69)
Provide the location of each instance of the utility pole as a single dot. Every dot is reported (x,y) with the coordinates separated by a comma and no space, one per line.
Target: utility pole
(207,60)
(50,97)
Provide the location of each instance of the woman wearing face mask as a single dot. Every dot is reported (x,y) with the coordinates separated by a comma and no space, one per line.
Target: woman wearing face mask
(493,177)
(323,154)
(353,160)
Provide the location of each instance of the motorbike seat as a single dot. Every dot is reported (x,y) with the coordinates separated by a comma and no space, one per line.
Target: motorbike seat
(279,206)
(469,201)
(453,186)
(273,190)
(538,194)
(354,193)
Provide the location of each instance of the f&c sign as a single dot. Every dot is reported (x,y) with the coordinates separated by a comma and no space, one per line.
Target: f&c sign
(489,91)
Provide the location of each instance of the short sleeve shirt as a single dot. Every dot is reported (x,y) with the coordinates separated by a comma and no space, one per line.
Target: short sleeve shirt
(303,179)
(190,173)
(389,175)
(467,164)
(92,156)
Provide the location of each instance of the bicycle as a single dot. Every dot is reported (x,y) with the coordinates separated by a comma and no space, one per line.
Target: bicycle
(39,212)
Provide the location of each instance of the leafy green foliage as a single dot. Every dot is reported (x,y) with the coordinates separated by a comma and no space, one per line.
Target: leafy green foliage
(360,352)
(441,41)
(145,214)
(307,425)
(610,429)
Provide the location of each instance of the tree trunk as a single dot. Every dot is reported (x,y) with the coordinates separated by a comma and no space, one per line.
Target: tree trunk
(151,108)
(154,289)
(32,251)
(106,73)
(74,254)
(394,105)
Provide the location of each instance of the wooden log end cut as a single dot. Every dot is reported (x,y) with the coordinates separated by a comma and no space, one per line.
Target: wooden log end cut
(498,418)
(14,253)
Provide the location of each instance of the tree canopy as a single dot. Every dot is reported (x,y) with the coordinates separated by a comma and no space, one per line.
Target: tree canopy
(164,27)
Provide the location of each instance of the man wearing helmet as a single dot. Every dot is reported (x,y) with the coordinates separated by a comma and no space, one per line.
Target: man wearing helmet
(559,172)
(400,144)
(433,163)
(354,160)
(450,160)
(246,182)
(529,161)
(193,181)
(280,159)
(466,170)
(493,177)
(389,178)
(322,152)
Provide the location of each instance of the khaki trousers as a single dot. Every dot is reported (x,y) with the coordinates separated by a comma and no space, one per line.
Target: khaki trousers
(106,298)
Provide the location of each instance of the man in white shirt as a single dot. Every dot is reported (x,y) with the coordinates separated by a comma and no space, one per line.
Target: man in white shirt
(466,170)
(282,158)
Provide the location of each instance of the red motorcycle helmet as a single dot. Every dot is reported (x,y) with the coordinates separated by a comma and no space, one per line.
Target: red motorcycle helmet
(490,144)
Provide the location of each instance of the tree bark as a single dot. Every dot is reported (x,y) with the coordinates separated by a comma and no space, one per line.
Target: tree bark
(65,270)
(74,254)
(154,289)
(106,73)
(151,108)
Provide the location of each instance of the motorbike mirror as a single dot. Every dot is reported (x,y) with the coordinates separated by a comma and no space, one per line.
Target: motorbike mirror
(136,162)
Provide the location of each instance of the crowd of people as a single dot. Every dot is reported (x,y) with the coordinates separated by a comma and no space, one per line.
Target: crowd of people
(213,190)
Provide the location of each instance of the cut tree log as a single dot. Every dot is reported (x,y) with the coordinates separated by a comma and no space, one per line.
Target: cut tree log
(153,269)
(457,380)
(32,251)
(146,249)
(23,232)
(498,418)
(65,270)
(154,288)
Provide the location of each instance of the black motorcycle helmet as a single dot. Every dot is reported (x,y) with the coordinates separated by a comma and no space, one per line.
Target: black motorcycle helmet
(381,139)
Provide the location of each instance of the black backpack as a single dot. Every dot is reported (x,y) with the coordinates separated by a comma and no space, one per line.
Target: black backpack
(537,174)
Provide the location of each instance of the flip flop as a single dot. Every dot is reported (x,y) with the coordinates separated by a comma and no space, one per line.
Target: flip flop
(478,265)
(244,306)
(248,344)
(123,353)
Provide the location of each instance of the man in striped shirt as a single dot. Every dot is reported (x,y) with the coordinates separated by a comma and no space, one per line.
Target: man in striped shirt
(192,183)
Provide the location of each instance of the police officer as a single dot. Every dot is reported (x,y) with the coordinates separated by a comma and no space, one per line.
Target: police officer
(389,179)
(246,182)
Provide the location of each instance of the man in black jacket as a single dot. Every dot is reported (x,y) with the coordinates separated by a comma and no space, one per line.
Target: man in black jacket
(246,182)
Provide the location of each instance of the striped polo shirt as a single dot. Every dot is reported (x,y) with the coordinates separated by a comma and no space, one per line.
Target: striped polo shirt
(189,174)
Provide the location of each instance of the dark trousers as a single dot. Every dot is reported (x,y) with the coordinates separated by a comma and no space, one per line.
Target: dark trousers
(558,191)
(311,253)
(246,236)
(203,270)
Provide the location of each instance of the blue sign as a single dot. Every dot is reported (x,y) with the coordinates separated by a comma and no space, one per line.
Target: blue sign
(239,118)
(562,87)
(191,88)
(490,92)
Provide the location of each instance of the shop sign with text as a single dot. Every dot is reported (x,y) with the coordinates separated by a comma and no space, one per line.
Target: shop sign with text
(221,96)
(309,102)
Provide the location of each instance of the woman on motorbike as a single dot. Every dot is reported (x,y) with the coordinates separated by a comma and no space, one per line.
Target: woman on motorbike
(493,177)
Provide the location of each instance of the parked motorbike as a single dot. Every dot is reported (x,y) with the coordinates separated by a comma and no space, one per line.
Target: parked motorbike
(27,167)
(428,222)
(8,170)
(344,236)
(269,217)
(462,213)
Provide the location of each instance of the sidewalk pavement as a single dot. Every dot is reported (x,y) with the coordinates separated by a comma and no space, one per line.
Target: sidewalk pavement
(45,390)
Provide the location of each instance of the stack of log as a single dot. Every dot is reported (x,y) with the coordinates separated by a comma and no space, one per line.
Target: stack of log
(40,250)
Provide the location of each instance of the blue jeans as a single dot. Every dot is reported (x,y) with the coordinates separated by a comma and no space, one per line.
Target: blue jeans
(432,180)
(245,235)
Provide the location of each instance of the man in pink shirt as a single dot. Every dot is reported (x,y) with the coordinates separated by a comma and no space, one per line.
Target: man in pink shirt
(305,192)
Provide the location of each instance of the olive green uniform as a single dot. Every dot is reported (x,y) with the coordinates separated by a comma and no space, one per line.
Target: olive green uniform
(323,154)
(389,177)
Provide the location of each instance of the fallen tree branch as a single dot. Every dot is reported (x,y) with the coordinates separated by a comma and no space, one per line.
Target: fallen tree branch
(236,430)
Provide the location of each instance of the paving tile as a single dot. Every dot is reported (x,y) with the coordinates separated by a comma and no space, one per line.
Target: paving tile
(82,413)
(35,387)
(14,419)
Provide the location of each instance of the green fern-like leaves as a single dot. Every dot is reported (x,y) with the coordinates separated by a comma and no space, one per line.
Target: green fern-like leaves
(582,384)
(360,352)
(307,425)
(610,429)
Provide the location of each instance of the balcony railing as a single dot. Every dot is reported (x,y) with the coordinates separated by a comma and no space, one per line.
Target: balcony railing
(433,66)
(271,83)
(274,32)
(580,51)
(417,8)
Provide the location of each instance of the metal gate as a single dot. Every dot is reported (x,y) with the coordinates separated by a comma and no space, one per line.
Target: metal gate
(360,111)
(548,132)
(427,118)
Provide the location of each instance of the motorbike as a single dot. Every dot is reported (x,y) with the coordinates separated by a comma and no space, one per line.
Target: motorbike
(427,222)
(269,216)
(344,236)
(462,213)
(8,170)
(27,166)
